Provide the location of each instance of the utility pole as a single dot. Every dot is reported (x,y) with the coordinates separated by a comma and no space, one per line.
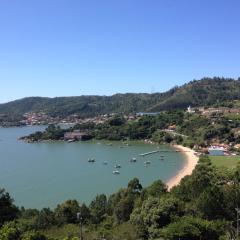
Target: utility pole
(79,217)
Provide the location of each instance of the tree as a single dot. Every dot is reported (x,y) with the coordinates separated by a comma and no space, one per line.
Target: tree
(211,203)
(33,236)
(9,232)
(98,208)
(193,228)
(116,121)
(156,189)
(156,213)
(123,209)
(204,175)
(46,218)
(182,230)
(8,211)
(236,175)
(134,186)
(67,212)
(85,213)
(167,138)
(232,194)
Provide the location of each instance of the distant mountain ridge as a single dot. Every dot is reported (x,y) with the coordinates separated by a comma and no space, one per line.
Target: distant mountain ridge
(204,92)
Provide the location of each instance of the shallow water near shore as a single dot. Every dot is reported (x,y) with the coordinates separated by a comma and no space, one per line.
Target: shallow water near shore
(44,174)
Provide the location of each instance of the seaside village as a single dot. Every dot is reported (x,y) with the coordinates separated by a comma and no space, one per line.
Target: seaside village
(41,118)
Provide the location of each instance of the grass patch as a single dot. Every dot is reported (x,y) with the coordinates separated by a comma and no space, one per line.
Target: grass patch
(124,231)
(69,230)
(232,116)
(225,161)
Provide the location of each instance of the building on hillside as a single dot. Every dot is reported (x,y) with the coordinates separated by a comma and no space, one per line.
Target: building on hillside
(218,150)
(237,146)
(75,135)
(190,110)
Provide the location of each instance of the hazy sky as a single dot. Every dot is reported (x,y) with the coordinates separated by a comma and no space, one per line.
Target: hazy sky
(73,47)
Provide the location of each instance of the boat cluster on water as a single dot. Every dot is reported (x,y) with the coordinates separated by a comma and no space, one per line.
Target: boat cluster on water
(118,166)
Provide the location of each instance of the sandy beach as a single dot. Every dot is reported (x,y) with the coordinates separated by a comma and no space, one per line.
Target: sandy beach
(191,162)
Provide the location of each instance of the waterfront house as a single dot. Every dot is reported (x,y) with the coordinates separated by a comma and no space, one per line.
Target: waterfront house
(75,135)
(218,149)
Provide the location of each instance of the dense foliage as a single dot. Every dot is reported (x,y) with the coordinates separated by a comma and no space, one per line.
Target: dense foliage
(201,207)
(52,132)
(189,129)
(8,211)
(9,120)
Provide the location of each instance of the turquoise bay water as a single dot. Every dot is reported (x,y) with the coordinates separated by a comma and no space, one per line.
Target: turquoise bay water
(45,174)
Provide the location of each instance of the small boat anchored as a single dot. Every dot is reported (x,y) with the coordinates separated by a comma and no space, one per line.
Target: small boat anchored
(91,160)
(133,160)
(116,172)
(147,162)
(117,166)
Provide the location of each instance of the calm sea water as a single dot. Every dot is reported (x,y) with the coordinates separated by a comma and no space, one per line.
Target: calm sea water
(45,174)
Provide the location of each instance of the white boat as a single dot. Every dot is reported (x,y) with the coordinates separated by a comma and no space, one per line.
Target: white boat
(116,172)
(147,162)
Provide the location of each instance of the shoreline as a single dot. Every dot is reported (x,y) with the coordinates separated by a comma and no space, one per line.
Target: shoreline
(189,166)
(191,159)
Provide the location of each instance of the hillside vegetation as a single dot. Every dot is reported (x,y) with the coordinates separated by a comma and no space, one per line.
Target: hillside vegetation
(205,92)
(189,129)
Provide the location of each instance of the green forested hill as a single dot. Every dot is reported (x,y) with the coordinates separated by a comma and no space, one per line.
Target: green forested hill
(205,92)
(84,105)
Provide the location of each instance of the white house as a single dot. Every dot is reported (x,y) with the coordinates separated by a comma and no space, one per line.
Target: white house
(190,110)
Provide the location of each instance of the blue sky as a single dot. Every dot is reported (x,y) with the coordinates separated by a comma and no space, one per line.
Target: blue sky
(73,47)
